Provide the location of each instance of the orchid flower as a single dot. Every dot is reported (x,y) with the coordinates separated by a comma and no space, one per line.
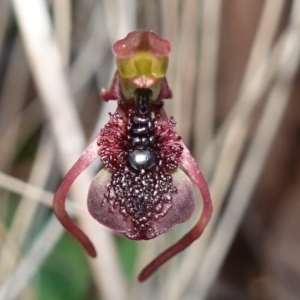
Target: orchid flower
(141,192)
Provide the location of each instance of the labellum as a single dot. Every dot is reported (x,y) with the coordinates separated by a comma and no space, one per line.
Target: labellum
(141,192)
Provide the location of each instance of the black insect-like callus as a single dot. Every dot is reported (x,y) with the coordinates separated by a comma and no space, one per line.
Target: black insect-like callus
(141,192)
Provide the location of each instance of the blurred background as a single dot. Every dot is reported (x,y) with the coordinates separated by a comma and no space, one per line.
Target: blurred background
(234,72)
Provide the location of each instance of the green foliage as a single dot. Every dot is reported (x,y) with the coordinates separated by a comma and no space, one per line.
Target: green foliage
(27,150)
(127,252)
(65,275)
(9,204)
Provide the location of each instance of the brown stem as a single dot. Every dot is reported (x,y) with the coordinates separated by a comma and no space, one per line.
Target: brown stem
(86,158)
(190,165)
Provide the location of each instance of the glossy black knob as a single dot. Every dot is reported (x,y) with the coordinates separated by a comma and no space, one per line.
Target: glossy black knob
(141,159)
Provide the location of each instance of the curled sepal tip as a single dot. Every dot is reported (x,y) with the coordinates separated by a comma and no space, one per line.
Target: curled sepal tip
(89,155)
(190,165)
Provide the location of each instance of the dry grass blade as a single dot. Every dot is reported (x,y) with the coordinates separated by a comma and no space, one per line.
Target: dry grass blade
(170,29)
(256,156)
(62,17)
(124,12)
(56,97)
(80,73)
(206,87)
(28,119)
(30,263)
(5,7)
(9,248)
(126,17)
(15,85)
(271,15)
(26,210)
(34,193)
(183,87)
(22,188)
(91,53)
(235,135)
(248,99)
(261,48)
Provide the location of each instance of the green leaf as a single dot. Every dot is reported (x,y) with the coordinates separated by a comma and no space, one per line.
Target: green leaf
(127,252)
(65,274)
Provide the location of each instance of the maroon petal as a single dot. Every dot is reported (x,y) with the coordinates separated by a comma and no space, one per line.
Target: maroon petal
(141,40)
(178,210)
